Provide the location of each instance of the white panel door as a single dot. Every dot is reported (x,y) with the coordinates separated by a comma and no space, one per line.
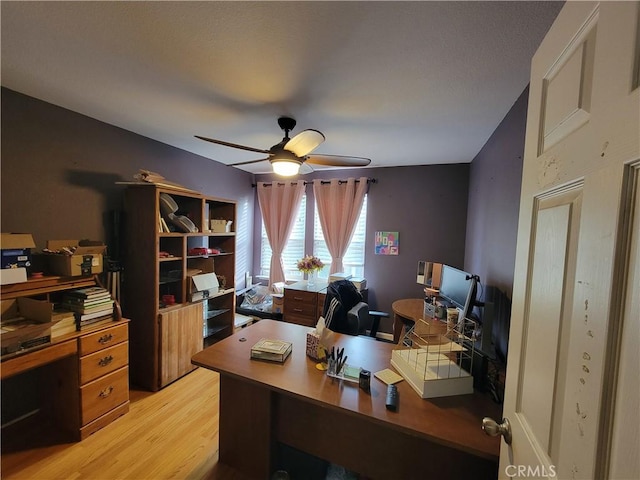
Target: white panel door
(572,374)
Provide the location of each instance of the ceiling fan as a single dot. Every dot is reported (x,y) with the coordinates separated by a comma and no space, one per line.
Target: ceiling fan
(293,155)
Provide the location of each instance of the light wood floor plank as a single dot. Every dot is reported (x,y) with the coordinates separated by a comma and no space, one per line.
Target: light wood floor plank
(170,434)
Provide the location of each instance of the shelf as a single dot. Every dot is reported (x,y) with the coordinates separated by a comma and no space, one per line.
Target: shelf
(196,234)
(221,254)
(216,295)
(156,362)
(48,284)
(216,313)
(215,234)
(211,331)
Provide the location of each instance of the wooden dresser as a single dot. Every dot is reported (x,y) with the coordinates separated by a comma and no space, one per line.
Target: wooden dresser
(303,304)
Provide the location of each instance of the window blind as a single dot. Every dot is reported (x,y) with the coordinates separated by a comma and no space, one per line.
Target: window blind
(353,260)
(294,250)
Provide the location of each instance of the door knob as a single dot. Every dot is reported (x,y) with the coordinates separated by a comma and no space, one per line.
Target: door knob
(493,428)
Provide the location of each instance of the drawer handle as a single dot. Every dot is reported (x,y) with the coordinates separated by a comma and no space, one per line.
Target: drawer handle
(298,298)
(104,361)
(297,310)
(105,338)
(106,392)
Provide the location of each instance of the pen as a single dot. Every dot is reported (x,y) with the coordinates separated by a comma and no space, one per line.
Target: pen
(341,365)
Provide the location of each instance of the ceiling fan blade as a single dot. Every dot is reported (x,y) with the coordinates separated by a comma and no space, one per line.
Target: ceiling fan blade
(233,145)
(248,162)
(305,168)
(304,142)
(337,161)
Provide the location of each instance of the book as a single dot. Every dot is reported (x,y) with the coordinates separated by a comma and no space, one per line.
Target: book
(106,305)
(271,350)
(88,292)
(86,301)
(94,322)
(80,318)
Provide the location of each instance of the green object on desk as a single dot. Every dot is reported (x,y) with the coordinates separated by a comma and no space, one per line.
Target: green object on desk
(352,372)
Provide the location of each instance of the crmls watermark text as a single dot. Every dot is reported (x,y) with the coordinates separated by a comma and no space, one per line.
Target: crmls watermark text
(528,471)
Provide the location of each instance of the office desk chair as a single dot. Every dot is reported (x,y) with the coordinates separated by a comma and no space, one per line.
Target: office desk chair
(345,312)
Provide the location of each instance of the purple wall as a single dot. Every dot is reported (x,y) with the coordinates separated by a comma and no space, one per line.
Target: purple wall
(494,201)
(426,205)
(59,170)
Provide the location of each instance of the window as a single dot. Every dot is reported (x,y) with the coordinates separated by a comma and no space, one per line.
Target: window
(353,260)
(294,250)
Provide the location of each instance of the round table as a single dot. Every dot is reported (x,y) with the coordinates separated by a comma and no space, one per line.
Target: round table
(406,312)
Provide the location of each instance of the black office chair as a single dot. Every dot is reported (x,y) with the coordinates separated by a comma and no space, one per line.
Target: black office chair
(345,312)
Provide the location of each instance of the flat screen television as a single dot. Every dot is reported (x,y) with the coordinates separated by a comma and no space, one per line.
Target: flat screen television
(458,288)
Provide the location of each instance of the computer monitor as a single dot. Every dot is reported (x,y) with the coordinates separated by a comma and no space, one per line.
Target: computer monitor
(459,289)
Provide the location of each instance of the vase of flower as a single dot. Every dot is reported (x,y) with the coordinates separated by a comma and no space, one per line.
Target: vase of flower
(311,266)
(312,277)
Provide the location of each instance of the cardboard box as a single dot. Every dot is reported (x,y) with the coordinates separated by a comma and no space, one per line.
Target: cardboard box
(360,283)
(334,277)
(203,286)
(87,258)
(26,322)
(221,226)
(12,275)
(277,305)
(16,250)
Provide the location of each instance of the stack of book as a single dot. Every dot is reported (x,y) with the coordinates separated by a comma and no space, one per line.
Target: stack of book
(271,350)
(90,305)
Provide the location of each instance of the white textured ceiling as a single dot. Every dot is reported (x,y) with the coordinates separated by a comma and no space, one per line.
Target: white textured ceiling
(403,83)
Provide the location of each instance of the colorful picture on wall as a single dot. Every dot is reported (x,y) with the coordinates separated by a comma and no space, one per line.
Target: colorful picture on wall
(387,243)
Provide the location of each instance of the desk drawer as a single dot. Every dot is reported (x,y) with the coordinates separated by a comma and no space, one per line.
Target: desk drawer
(104,394)
(297,302)
(102,339)
(299,308)
(104,361)
(301,320)
(299,296)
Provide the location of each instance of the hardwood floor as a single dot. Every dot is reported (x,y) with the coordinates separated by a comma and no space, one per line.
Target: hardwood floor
(170,434)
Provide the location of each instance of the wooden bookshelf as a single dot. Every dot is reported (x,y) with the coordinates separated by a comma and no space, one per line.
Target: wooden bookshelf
(158,263)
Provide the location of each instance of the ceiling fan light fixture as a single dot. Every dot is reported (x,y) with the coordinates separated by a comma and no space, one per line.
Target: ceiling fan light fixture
(285,167)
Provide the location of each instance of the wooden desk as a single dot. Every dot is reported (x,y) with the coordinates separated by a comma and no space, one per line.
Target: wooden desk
(411,309)
(293,403)
(85,376)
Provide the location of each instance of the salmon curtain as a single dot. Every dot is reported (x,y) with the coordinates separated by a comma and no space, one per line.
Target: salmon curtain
(279,204)
(339,203)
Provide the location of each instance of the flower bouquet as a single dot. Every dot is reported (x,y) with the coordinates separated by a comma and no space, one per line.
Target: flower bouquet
(310,264)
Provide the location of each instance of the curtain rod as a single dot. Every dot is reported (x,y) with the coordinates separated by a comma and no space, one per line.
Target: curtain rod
(322,182)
